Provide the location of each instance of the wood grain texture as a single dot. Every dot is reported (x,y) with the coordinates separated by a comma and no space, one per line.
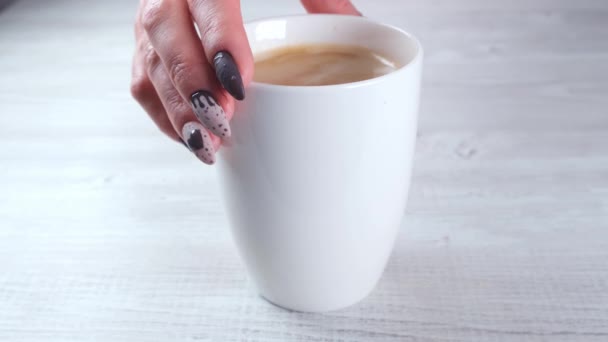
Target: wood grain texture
(110,232)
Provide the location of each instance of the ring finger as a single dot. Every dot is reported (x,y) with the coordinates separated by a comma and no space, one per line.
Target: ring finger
(198,139)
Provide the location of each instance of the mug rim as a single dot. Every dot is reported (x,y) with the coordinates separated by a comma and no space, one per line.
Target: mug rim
(417,57)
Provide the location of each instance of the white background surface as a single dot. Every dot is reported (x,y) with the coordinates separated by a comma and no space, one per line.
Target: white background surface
(108,231)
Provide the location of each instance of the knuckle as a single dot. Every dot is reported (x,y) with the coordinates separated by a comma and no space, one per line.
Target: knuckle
(151,58)
(180,69)
(153,14)
(212,30)
(175,104)
(140,87)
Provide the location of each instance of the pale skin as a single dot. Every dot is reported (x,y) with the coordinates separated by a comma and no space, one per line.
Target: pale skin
(171,61)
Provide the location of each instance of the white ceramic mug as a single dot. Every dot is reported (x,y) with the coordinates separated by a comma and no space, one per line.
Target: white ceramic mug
(316,177)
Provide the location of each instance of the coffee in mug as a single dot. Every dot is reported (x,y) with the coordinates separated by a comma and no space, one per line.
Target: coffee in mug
(320,64)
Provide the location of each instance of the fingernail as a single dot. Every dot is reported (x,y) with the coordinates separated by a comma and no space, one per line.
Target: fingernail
(210,113)
(199,142)
(228,74)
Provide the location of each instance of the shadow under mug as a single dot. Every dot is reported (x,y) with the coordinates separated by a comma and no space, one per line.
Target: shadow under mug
(315,178)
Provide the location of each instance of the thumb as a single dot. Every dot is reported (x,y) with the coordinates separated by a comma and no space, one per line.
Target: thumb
(330,6)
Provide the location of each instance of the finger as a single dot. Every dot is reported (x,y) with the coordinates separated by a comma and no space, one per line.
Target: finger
(172,34)
(225,42)
(199,141)
(143,91)
(196,137)
(228,74)
(330,6)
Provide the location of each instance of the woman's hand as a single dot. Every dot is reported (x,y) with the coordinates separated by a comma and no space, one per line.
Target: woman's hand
(187,84)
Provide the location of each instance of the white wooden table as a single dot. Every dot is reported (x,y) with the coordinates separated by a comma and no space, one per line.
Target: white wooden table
(110,232)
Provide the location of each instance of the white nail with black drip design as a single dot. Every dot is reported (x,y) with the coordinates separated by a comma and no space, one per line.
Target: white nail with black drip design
(210,113)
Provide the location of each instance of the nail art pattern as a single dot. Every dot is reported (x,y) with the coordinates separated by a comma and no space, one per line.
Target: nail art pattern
(210,113)
(199,142)
(228,74)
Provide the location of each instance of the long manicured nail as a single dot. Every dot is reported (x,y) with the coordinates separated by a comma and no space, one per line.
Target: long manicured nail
(210,113)
(199,142)
(228,74)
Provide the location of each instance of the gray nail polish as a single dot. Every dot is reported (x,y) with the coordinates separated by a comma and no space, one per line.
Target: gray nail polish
(210,113)
(228,74)
(199,142)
